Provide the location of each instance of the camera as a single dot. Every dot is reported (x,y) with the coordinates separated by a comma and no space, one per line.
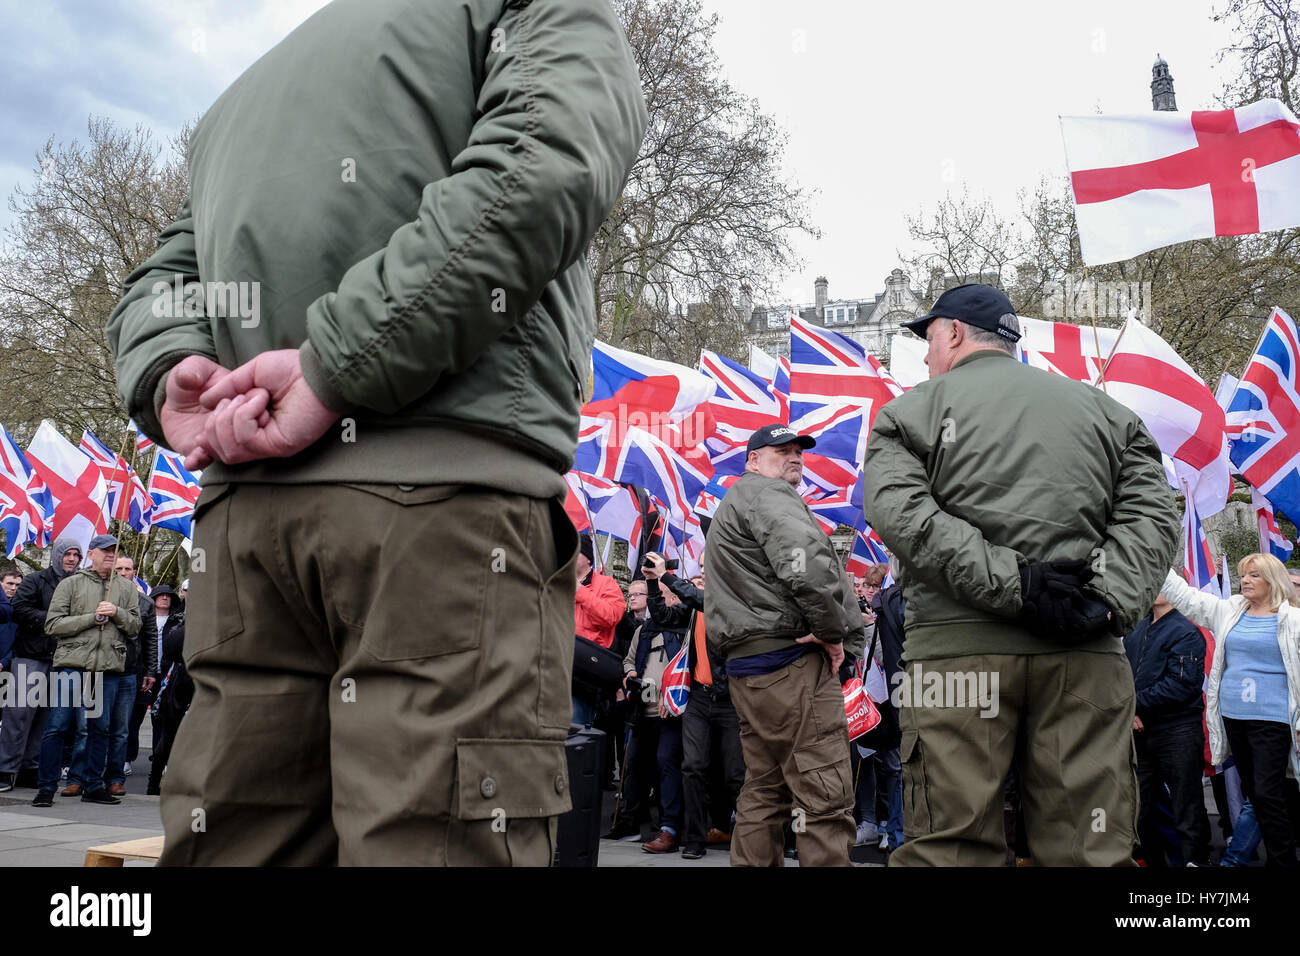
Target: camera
(864,605)
(669,565)
(634,685)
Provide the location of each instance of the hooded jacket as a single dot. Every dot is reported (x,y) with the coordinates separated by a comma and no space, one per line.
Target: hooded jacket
(32,600)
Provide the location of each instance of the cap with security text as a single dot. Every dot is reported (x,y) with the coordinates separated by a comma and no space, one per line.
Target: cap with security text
(976,304)
(777,434)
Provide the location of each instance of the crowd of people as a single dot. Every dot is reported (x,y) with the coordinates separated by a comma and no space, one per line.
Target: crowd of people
(1055,710)
(85,655)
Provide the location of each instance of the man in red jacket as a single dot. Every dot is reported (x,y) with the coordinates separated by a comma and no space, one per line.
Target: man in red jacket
(597,609)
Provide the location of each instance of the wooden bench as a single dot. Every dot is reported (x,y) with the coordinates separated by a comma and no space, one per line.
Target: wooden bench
(115,854)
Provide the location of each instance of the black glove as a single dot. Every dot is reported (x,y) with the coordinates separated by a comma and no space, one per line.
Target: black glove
(1053,603)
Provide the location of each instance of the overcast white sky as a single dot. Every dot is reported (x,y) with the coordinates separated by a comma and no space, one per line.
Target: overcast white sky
(888,104)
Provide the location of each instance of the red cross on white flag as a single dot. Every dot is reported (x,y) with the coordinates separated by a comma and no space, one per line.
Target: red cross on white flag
(1152,179)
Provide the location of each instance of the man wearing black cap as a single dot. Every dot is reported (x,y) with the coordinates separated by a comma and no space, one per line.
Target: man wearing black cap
(777,599)
(91,614)
(1034,525)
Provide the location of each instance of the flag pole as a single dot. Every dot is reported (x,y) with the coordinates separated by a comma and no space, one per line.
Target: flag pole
(586,508)
(1096,336)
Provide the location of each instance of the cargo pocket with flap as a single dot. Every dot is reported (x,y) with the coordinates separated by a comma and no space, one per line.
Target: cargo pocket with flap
(916,799)
(824,772)
(502,783)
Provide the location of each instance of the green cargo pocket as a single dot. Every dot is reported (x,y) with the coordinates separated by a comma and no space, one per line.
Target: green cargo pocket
(823,767)
(507,791)
(212,604)
(916,801)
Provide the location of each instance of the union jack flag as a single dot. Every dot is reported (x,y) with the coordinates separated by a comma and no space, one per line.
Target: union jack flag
(1271,539)
(142,441)
(677,682)
(128,500)
(836,388)
(1263,419)
(174,492)
(112,466)
(643,460)
(25,502)
(868,549)
(1198,563)
(838,509)
(743,402)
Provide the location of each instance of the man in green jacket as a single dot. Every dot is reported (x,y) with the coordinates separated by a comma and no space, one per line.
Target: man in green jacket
(92,614)
(776,595)
(1034,526)
(371,326)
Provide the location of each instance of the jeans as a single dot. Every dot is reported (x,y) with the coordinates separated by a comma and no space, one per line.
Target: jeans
(66,723)
(115,771)
(654,755)
(889,795)
(99,730)
(584,712)
(1245,838)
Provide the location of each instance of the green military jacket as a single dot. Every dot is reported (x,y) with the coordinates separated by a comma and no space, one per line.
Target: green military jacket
(406,193)
(84,644)
(773,574)
(995,465)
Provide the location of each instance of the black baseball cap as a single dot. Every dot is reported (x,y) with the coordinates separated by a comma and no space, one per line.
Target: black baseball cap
(777,434)
(976,304)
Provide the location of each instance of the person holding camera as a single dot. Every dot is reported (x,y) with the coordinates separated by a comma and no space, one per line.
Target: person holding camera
(710,719)
(655,750)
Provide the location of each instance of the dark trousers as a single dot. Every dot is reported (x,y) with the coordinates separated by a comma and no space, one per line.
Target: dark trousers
(655,754)
(143,701)
(708,720)
(24,722)
(1172,757)
(164,735)
(1262,748)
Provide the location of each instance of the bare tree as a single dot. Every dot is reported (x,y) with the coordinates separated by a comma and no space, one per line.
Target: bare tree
(1265,50)
(706,206)
(92,215)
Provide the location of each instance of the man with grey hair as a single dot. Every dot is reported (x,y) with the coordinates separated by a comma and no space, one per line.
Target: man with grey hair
(1034,525)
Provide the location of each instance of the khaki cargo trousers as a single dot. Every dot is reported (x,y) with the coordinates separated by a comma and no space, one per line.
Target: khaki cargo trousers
(795,741)
(381,678)
(1065,718)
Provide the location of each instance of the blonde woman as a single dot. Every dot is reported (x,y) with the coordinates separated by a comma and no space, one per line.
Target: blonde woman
(1252,699)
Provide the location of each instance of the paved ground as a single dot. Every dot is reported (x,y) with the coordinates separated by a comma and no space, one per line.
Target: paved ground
(60,835)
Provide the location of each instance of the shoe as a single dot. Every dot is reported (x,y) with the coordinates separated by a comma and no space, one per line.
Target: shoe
(44,798)
(6,782)
(621,831)
(64,774)
(126,768)
(693,853)
(117,789)
(27,779)
(884,842)
(717,837)
(99,796)
(72,790)
(791,853)
(152,791)
(866,835)
(665,842)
